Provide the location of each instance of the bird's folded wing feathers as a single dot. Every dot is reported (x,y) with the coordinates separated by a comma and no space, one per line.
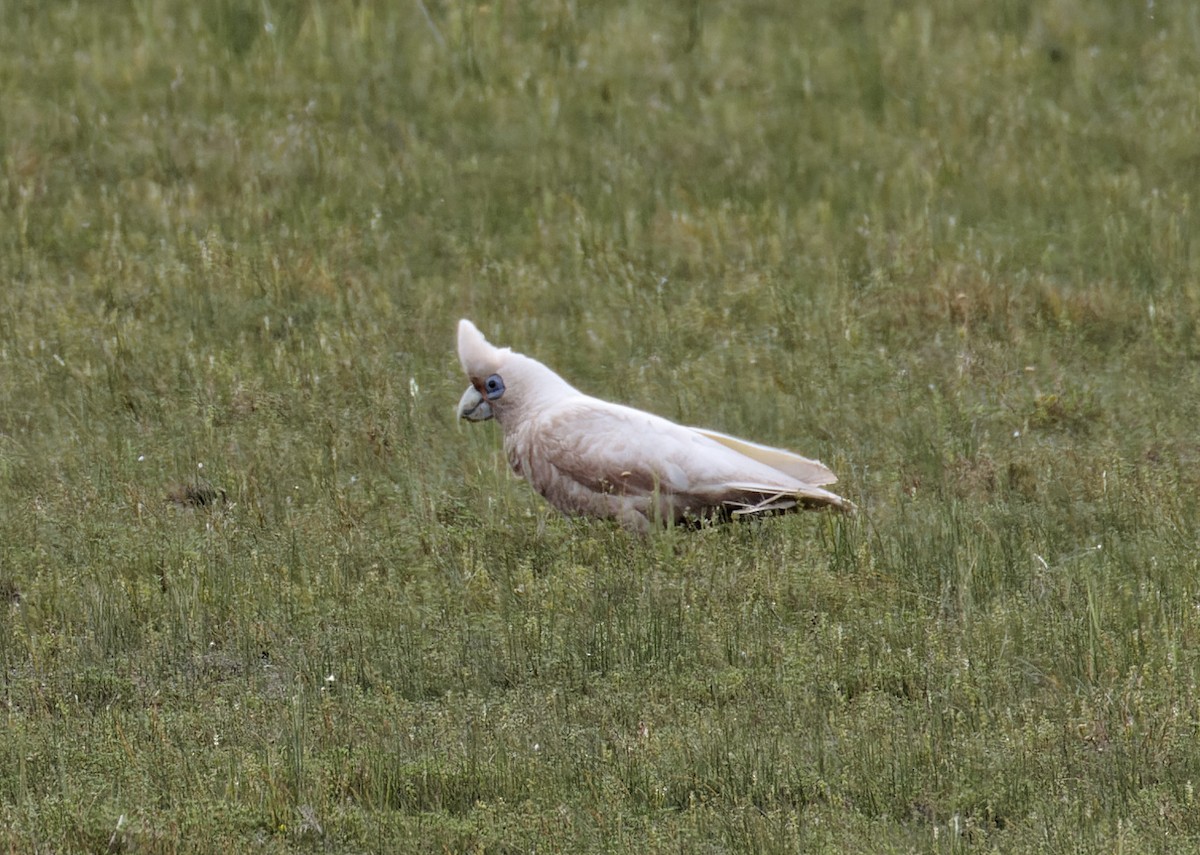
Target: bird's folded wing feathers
(608,447)
(612,447)
(801,468)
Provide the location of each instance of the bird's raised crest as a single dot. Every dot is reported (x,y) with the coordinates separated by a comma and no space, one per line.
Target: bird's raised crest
(478,357)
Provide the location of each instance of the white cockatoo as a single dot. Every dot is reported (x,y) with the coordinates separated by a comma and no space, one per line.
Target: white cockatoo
(589,457)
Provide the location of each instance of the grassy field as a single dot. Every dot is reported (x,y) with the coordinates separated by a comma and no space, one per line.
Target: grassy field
(258,592)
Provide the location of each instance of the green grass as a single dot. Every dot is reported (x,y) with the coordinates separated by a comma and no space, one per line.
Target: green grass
(951,249)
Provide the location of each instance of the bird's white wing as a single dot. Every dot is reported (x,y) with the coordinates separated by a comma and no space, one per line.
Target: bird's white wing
(613,449)
(804,469)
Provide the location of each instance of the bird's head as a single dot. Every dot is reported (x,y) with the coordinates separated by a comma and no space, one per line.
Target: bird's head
(504,385)
(483,364)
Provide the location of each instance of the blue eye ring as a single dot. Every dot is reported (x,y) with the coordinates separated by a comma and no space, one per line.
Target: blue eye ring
(493,387)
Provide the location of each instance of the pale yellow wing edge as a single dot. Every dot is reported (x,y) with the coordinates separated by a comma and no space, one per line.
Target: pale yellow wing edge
(812,472)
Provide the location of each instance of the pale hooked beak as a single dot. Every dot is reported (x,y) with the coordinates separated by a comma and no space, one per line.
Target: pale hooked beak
(472,406)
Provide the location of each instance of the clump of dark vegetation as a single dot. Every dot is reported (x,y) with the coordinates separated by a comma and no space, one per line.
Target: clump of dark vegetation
(195,494)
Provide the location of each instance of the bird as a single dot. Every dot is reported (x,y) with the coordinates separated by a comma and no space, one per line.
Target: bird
(590,457)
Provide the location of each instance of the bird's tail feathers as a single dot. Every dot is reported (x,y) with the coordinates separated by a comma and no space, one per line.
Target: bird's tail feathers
(769,501)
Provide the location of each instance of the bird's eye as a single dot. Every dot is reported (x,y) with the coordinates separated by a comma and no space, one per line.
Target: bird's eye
(493,387)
